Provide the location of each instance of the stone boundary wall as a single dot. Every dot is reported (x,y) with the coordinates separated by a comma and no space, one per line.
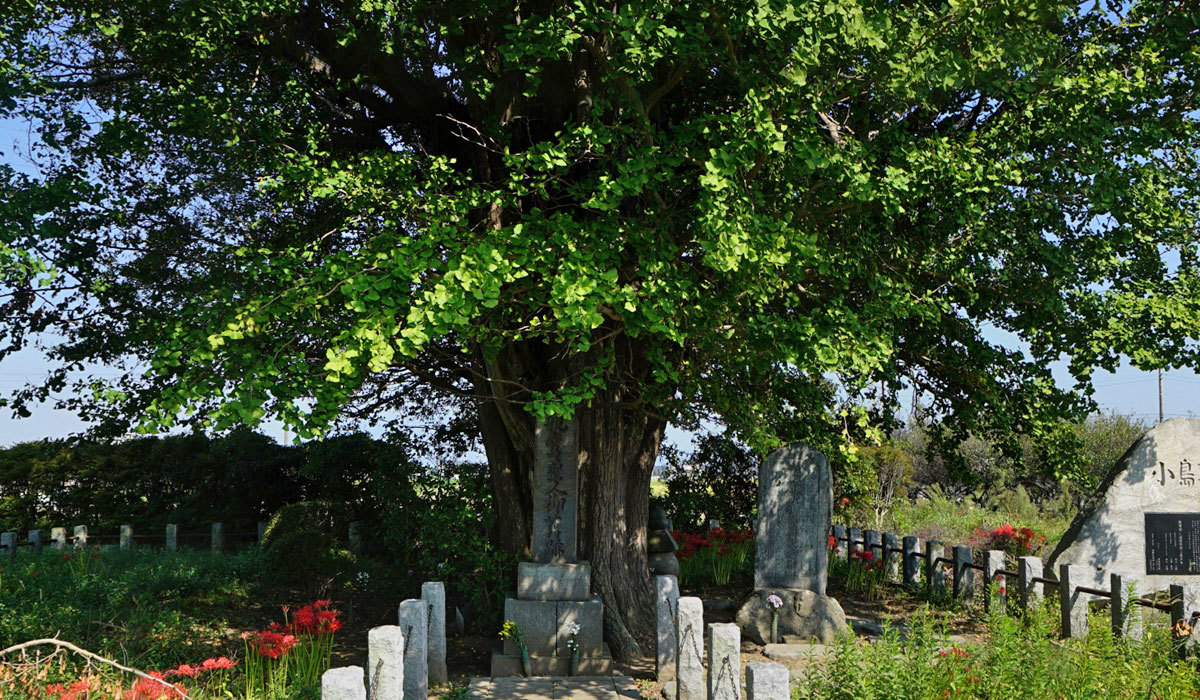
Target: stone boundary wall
(61,539)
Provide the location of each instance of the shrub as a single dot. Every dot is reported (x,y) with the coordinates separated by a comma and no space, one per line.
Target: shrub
(718,481)
(307,516)
(1016,542)
(310,559)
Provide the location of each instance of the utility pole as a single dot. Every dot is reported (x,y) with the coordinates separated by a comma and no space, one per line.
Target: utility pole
(1160,398)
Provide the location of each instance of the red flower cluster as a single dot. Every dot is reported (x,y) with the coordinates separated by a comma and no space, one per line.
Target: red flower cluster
(866,557)
(719,538)
(146,689)
(272,642)
(314,619)
(189,671)
(833,544)
(956,652)
(61,691)
(1008,538)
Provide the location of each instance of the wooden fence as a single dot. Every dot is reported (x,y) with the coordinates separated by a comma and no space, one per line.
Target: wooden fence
(917,566)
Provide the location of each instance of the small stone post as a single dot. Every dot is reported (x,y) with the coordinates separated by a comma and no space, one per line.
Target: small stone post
(172,537)
(1029,568)
(1126,615)
(964,575)
(995,585)
(871,543)
(385,659)
(724,661)
(81,536)
(433,593)
(891,558)
(840,544)
(35,539)
(666,599)
(344,683)
(856,540)
(58,538)
(126,538)
(767,681)
(8,543)
(1185,602)
(911,561)
(354,537)
(689,640)
(1074,605)
(262,532)
(414,621)
(935,573)
(218,537)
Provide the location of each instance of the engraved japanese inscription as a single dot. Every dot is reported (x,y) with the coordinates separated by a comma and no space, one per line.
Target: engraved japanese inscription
(1173,543)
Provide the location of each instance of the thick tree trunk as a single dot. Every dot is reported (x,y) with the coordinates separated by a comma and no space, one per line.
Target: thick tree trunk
(618,445)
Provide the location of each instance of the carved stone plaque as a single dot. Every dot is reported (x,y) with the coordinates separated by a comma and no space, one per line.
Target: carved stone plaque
(555,491)
(1173,543)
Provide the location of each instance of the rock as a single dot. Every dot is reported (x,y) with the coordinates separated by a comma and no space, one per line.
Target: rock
(668,691)
(664,564)
(864,627)
(1148,504)
(804,613)
(716,606)
(789,654)
(795,508)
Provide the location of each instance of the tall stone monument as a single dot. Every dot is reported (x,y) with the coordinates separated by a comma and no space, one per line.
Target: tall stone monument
(553,601)
(1143,522)
(791,548)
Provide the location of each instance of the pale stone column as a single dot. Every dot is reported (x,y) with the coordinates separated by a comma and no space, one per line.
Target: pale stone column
(993,562)
(172,537)
(666,600)
(385,662)
(935,573)
(964,576)
(1073,603)
(218,537)
(911,561)
(414,621)
(434,595)
(58,538)
(126,538)
(724,661)
(81,535)
(891,558)
(1029,568)
(344,683)
(689,640)
(767,681)
(1126,614)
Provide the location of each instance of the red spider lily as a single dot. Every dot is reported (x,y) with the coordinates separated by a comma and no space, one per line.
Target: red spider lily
(315,619)
(954,652)
(218,664)
(271,644)
(75,691)
(146,689)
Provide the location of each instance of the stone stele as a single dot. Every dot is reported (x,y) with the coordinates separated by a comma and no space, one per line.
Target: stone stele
(555,491)
(1157,482)
(795,507)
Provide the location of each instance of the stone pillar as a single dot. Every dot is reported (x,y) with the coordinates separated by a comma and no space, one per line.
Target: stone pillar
(964,575)
(385,661)
(58,538)
(434,595)
(795,507)
(871,543)
(414,621)
(689,641)
(81,535)
(262,532)
(1185,602)
(344,683)
(555,491)
(218,537)
(935,573)
(126,538)
(1126,614)
(1029,568)
(1074,605)
(891,557)
(839,542)
(354,537)
(724,661)
(35,539)
(911,561)
(666,600)
(856,539)
(767,681)
(995,585)
(172,537)
(8,543)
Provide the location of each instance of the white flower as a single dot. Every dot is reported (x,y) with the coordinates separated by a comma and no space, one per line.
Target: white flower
(774,602)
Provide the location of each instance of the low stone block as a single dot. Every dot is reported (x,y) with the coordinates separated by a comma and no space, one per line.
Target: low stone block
(767,681)
(666,599)
(590,618)
(724,661)
(538,621)
(385,658)
(689,641)
(554,581)
(505,665)
(344,683)
(413,621)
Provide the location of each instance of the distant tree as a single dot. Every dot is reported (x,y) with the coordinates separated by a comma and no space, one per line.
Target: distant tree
(631,213)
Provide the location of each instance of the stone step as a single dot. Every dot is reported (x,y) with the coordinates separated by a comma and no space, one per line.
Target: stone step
(571,688)
(544,665)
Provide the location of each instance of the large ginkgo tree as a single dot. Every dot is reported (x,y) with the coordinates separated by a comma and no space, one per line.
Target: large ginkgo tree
(784,216)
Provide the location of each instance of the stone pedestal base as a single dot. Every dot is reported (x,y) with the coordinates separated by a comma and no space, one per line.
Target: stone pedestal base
(600,664)
(804,613)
